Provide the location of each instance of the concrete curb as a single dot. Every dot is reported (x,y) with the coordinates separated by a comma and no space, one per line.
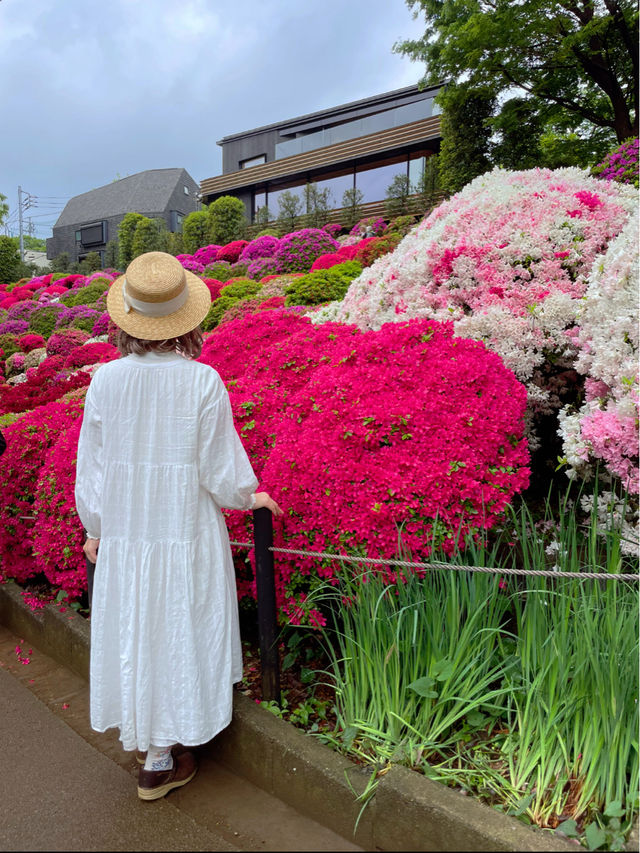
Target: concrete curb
(407,813)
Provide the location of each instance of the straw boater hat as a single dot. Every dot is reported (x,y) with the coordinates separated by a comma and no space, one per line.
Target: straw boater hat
(157,298)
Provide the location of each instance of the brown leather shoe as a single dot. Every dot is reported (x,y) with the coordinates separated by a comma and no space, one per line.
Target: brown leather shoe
(153,784)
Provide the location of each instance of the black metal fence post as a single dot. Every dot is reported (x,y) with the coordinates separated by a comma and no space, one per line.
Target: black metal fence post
(266,594)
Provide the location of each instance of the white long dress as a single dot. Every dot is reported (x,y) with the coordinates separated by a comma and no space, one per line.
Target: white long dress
(158,456)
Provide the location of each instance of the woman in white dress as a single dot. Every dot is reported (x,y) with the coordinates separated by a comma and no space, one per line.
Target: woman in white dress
(158,456)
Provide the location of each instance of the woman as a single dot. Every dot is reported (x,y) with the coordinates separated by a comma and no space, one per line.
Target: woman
(158,456)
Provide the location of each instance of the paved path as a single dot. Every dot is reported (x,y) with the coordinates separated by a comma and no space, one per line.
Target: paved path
(65,787)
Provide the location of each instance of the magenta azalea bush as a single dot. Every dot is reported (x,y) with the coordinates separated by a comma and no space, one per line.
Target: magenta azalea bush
(379,474)
(262,267)
(621,164)
(261,247)
(299,249)
(28,440)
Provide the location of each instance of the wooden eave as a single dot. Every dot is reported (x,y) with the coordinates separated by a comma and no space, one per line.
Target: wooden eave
(373,143)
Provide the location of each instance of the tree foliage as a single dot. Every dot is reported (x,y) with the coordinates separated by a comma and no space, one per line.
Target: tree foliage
(194,231)
(464,151)
(576,58)
(126,233)
(289,210)
(352,206)
(226,220)
(398,192)
(317,204)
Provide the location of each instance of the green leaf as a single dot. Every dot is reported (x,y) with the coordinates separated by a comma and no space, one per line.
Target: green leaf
(521,806)
(476,720)
(595,836)
(422,686)
(614,809)
(442,669)
(569,828)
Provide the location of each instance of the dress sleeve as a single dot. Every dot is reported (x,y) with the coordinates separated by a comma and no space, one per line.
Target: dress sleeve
(88,489)
(224,467)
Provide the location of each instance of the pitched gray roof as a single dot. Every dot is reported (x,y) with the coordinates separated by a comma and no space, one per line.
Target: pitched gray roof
(145,192)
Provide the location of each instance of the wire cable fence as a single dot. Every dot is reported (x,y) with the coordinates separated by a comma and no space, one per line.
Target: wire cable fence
(435,564)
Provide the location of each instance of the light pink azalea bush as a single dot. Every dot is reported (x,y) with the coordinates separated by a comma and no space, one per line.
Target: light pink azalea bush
(604,428)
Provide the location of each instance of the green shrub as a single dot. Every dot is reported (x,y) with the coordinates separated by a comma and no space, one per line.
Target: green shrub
(220,270)
(9,345)
(43,320)
(400,225)
(322,285)
(269,232)
(92,263)
(87,295)
(229,295)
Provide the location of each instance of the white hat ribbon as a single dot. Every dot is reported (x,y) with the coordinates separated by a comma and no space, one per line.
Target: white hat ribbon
(154,309)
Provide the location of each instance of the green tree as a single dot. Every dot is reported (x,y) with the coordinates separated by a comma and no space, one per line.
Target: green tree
(226,220)
(61,263)
(4,208)
(147,237)
(175,243)
(126,233)
(317,205)
(398,192)
(576,58)
(289,210)
(427,189)
(91,263)
(262,216)
(194,231)
(466,133)
(111,255)
(352,206)
(10,265)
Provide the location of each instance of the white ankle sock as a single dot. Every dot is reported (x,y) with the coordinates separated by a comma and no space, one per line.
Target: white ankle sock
(158,758)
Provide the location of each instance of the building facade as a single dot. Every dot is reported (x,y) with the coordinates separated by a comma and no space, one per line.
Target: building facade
(363,145)
(90,220)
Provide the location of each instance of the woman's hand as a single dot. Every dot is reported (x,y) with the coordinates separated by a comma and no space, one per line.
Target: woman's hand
(264,500)
(90,549)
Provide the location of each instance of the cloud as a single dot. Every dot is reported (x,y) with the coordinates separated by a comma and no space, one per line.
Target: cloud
(101,89)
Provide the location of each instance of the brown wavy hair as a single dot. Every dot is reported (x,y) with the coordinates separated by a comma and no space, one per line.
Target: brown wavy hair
(189,344)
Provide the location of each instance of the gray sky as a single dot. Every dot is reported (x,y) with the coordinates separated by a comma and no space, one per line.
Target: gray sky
(95,91)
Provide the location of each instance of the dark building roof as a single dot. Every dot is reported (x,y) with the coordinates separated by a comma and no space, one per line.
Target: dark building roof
(338,113)
(144,192)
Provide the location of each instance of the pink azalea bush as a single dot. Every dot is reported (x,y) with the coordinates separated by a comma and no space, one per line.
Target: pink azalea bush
(96,352)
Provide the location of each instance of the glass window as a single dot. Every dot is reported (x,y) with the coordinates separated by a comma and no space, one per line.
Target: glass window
(253,161)
(336,184)
(78,236)
(416,168)
(274,195)
(186,190)
(374,180)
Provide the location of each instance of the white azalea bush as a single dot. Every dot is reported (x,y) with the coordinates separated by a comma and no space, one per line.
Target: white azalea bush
(542,266)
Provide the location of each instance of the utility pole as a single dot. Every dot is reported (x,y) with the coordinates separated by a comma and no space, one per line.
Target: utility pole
(29,200)
(20,223)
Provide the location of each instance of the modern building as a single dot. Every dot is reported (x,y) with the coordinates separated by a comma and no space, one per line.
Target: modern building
(90,220)
(362,144)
